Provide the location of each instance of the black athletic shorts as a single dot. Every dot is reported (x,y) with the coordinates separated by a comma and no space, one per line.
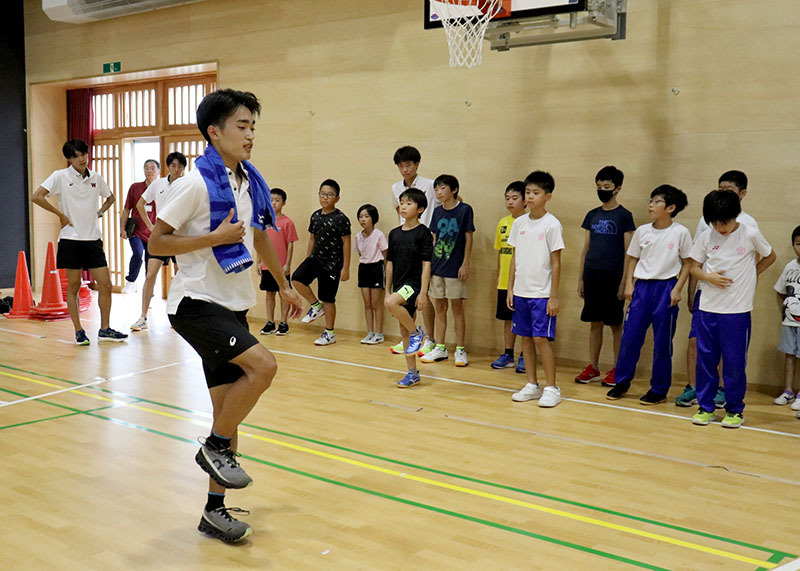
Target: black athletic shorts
(164,259)
(327,280)
(217,334)
(80,254)
(503,313)
(371,275)
(268,283)
(600,302)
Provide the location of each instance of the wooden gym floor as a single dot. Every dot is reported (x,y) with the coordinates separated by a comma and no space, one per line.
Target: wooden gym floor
(353,473)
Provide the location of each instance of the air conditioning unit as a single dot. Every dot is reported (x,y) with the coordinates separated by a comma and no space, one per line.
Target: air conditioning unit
(85,11)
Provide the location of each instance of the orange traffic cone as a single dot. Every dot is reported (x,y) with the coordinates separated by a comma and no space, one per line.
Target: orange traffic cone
(52,305)
(23,298)
(84,293)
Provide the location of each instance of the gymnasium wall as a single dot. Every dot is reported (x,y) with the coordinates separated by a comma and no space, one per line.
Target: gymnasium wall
(699,87)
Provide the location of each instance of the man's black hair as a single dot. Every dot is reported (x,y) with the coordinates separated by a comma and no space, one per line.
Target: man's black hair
(175,155)
(155,162)
(517,186)
(217,106)
(611,173)
(74,146)
(721,206)
(543,180)
(371,210)
(331,183)
(671,196)
(416,196)
(406,153)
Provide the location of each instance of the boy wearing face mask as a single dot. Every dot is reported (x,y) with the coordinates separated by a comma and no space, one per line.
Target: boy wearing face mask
(609,229)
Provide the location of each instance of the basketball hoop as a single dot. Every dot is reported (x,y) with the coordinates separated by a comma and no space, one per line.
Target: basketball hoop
(465,23)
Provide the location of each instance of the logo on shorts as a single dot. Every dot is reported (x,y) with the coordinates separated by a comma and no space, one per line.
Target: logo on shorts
(232,341)
(740,250)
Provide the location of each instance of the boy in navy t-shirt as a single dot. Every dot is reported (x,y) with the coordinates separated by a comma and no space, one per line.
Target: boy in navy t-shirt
(609,229)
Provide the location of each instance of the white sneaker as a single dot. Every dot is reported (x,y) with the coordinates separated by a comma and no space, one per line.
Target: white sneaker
(140,324)
(436,354)
(368,339)
(312,313)
(785,398)
(529,392)
(796,404)
(427,347)
(326,338)
(550,397)
(377,338)
(460,358)
(129,287)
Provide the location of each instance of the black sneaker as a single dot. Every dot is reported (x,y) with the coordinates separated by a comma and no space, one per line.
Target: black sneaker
(616,392)
(268,329)
(222,466)
(220,524)
(81,338)
(650,398)
(111,335)
(283,328)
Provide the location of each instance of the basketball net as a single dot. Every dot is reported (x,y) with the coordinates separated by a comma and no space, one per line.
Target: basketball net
(465,23)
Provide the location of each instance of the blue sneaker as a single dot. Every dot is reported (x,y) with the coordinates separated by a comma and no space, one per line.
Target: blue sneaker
(687,398)
(408,381)
(503,361)
(719,398)
(81,338)
(520,366)
(415,341)
(111,335)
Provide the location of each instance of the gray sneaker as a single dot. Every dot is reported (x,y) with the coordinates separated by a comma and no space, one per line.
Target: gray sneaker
(222,466)
(220,524)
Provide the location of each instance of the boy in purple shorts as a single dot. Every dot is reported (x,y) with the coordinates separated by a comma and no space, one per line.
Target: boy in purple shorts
(533,282)
(725,259)
(658,257)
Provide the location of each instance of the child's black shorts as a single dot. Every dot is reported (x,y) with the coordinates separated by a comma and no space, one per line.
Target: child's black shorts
(600,302)
(327,280)
(371,275)
(268,283)
(503,313)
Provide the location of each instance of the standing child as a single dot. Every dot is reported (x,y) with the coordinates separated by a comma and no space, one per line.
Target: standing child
(407,159)
(725,259)
(788,288)
(452,227)
(327,260)
(408,271)
(283,239)
(533,287)
(658,257)
(609,229)
(515,204)
(371,246)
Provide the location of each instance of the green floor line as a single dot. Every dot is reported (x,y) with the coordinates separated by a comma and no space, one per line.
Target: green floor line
(445,473)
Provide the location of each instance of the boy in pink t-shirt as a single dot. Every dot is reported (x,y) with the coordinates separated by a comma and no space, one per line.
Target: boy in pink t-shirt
(283,239)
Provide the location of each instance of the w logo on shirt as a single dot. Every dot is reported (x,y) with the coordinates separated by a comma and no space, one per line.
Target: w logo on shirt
(740,250)
(540,236)
(715,248)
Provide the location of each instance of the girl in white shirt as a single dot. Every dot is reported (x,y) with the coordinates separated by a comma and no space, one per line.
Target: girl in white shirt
(371,245)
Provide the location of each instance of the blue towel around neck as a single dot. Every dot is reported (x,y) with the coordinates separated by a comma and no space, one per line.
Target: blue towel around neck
(234,257)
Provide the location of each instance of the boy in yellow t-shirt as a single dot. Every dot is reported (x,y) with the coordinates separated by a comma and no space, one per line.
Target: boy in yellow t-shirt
(515,204)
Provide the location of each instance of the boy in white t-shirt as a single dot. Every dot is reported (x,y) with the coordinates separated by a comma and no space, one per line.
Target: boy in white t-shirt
(216,217)
(725,259)
(80,242)
(407,160)
(658,257)
(788,288)
(736,182)
(533,281)
(156,196)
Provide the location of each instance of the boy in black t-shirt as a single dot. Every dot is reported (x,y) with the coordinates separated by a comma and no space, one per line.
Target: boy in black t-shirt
(609,229)
(327,260)
(408,272)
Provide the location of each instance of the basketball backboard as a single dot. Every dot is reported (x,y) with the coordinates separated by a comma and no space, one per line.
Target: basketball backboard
(519,9)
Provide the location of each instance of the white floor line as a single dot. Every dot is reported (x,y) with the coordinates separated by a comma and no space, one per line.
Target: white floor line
(793,565)
(167,366)
(22,333)
(412,409)
(620,449)
(504,389)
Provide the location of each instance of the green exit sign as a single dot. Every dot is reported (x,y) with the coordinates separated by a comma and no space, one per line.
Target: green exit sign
(112,67)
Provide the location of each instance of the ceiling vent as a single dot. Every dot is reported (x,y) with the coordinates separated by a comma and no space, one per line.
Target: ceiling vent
(85,11)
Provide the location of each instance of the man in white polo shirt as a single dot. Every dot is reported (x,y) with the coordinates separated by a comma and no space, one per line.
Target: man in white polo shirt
(80,245)
(215,218)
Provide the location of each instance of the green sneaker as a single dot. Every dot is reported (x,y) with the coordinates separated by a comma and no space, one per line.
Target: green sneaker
(733,420)
(702,417)
(398,349)
(687,398)
(427,347)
